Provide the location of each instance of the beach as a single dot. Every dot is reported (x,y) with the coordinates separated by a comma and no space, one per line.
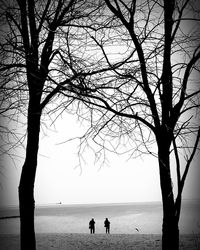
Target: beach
(98,242)
(133,226)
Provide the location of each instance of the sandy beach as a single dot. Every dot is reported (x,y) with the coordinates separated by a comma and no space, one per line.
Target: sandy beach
(98,241)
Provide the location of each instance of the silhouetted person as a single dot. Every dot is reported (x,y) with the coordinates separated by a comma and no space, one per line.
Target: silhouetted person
(92,226)
(107,225)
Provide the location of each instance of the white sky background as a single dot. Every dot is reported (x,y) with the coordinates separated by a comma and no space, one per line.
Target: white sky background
(58,179)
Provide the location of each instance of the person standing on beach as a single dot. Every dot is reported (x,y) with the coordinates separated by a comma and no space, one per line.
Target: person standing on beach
(107,225)
(92,226)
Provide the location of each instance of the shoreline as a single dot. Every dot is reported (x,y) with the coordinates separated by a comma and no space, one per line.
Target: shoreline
(85,241)
(9,217)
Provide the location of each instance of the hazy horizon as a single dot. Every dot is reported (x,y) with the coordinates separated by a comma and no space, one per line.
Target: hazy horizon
(97,203)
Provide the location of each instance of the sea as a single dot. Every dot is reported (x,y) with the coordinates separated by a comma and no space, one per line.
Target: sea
(125,218)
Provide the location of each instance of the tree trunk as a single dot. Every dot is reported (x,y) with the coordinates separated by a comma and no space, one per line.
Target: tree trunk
(170,230)
(26,186)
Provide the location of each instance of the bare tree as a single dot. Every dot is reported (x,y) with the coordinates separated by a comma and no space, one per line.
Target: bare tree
(35,65)
(153,95)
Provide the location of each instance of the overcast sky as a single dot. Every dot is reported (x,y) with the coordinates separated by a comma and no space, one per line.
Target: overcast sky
(59,180)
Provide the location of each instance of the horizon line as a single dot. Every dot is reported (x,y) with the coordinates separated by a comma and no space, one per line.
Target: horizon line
(94,203)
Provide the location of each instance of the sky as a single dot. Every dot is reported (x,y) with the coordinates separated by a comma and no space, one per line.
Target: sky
(60,179)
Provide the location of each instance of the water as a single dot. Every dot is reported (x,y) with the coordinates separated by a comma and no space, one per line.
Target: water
(124,218)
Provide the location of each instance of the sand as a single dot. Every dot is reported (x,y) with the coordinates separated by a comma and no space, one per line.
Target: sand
(98,241)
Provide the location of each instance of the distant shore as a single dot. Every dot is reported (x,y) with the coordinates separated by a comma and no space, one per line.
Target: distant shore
(99,242)
(9,217)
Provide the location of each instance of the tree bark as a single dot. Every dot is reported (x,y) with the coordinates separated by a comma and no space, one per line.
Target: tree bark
(170,230)
(26,186)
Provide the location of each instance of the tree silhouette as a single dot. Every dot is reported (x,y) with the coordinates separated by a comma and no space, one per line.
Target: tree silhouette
(35,66)
(153,96)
